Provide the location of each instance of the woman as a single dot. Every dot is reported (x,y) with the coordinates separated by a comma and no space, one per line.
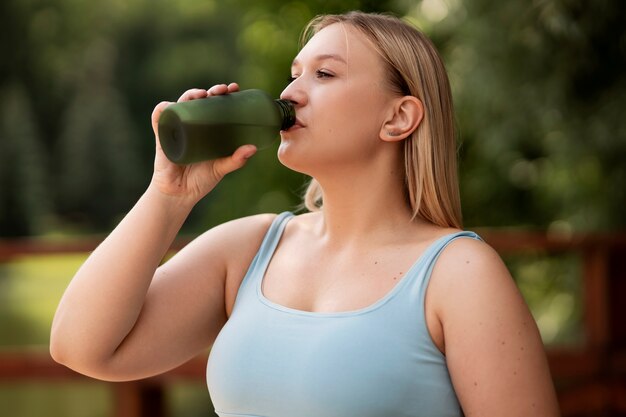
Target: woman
(374,303)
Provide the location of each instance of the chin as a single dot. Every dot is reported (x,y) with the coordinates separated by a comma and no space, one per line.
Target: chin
(295,161)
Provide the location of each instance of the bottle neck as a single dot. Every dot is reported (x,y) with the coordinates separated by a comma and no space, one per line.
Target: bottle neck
(287,113)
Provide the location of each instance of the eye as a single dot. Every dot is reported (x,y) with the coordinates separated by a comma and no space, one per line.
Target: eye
(291,79)
(323,74)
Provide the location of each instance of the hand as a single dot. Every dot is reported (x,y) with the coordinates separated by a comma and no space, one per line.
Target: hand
(194,181)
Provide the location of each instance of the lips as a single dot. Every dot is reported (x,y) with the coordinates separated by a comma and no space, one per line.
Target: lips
(297,125)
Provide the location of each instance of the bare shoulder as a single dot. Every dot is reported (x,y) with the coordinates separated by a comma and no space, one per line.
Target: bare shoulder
(222,254)
(243,231)
(228,241)
(492,345)
(236,241)
(468,264)
(468,252)
(471,285)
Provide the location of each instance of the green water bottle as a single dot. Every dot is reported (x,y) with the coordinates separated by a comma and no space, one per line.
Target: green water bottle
(214,127)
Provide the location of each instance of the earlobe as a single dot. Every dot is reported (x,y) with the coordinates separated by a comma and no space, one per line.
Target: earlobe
(408,113)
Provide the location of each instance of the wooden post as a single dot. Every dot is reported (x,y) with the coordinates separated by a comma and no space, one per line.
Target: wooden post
(139,399)
(617,328)
(596,297)
(617,292)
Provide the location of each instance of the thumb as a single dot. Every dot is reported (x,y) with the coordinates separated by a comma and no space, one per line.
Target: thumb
(156,114)
(238,159)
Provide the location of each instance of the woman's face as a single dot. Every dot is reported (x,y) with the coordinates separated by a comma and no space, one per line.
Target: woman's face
(341,100)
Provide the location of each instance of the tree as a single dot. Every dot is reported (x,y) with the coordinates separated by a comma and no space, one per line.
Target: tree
(24,198)
(540,90)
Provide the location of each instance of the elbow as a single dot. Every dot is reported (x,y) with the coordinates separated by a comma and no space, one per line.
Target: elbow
(81,364)
(56,348)
(62,353)
(80,352)
(55,353)
(58,351)
(72,354)
(63,346)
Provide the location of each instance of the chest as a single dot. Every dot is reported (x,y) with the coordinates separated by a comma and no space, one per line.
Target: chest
(333,281)
(272,361)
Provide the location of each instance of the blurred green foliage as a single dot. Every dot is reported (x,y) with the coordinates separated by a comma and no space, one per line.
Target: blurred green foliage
(80,79)
(552,286)
(539,87)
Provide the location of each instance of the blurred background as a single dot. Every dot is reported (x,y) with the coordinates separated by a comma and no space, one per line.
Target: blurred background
(540,94)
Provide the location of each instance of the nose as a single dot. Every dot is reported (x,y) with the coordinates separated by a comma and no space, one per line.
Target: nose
(294,93)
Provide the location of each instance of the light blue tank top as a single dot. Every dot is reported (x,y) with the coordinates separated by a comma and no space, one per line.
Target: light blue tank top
(379,361)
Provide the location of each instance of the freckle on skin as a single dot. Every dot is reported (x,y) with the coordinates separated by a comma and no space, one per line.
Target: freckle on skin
(475,383)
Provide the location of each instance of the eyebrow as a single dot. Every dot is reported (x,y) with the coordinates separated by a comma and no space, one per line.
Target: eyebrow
(322,57)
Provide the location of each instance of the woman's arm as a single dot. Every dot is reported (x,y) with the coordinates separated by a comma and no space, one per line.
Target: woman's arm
(120,317)
(492,345)
(104,299)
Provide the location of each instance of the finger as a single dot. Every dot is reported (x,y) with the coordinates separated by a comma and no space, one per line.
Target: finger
(193,94)
(233,87)
(238,159)
(156,114)
(244,152)
(217,90)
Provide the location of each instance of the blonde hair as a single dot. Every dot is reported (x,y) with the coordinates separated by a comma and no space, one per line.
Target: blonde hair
(415,68)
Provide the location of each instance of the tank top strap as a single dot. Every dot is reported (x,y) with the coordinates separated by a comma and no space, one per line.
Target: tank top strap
(266,250)
(272,237)
(420,272)
(434,250)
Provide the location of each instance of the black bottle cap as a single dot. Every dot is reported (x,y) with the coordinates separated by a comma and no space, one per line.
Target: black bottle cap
(288,113)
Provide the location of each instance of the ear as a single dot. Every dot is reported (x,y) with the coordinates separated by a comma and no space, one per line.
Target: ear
(404,117)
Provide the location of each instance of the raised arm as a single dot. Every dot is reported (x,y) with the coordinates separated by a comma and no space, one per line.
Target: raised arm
(121,317)
(492,345)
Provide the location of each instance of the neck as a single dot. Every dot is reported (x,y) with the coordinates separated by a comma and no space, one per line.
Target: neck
(364,206)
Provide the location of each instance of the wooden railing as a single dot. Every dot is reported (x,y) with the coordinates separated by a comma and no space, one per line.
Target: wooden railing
(590,378)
